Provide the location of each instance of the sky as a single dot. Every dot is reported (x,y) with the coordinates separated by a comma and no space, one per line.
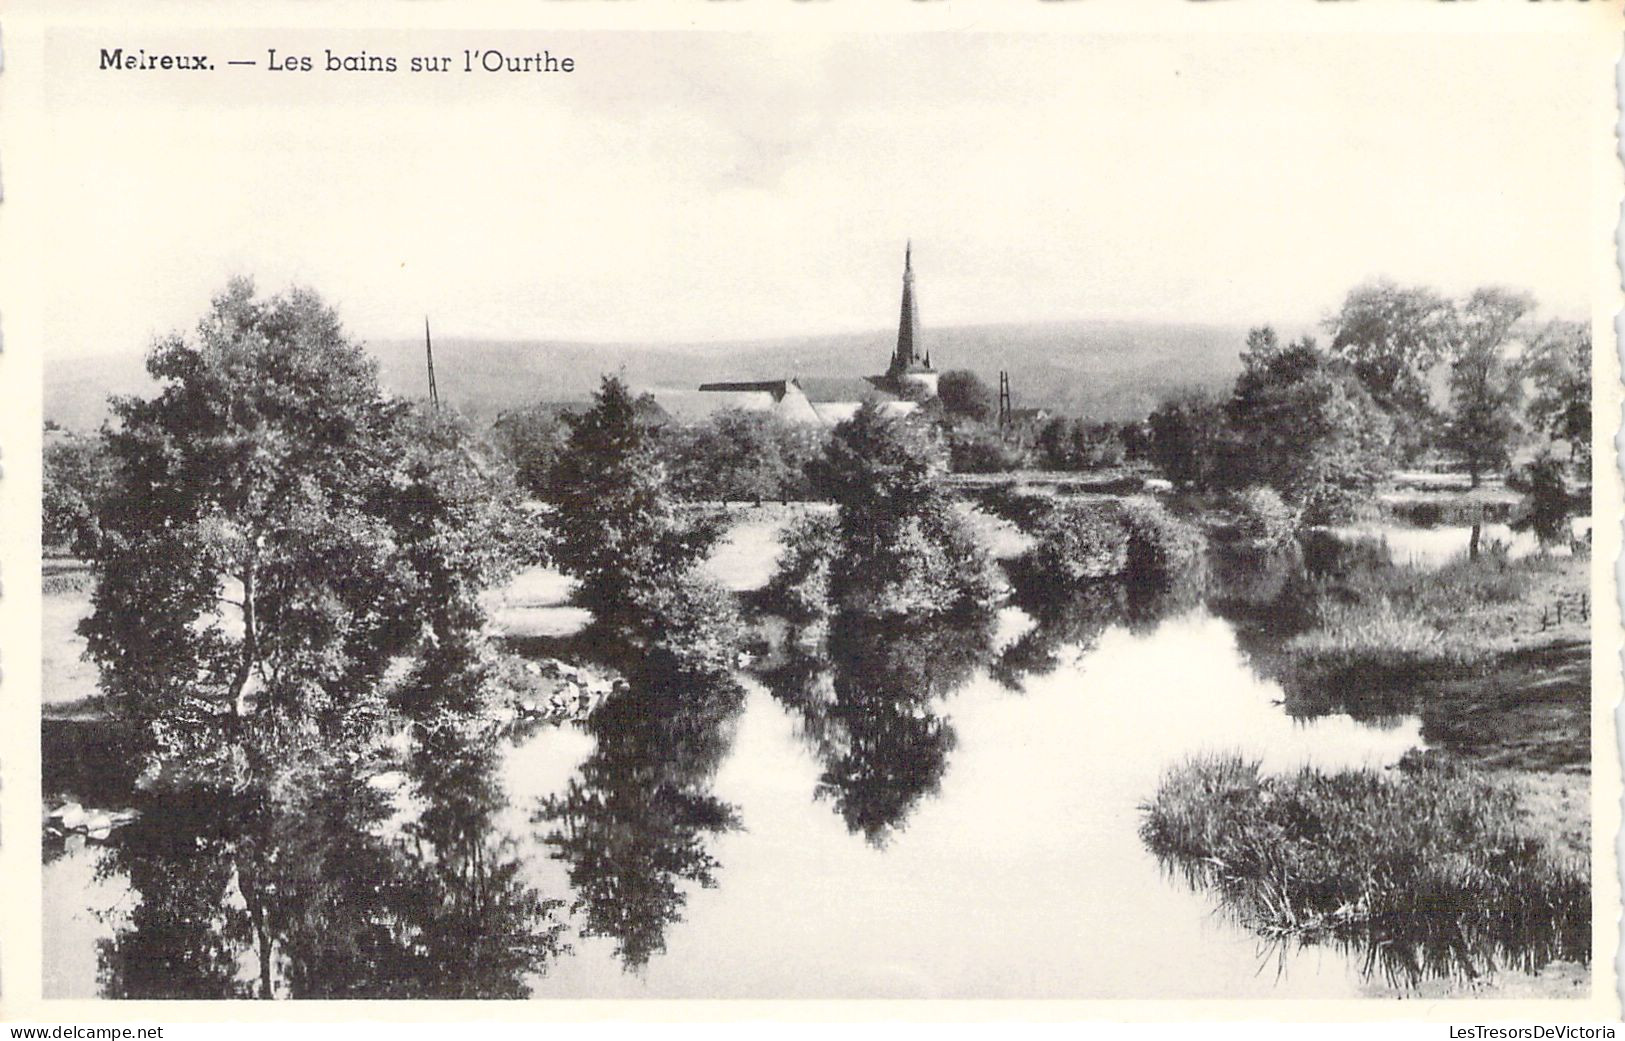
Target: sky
(694,187)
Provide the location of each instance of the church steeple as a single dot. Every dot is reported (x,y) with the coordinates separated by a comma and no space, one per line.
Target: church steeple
(907,356)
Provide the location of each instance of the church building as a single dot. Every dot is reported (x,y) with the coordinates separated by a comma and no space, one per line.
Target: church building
(908,379)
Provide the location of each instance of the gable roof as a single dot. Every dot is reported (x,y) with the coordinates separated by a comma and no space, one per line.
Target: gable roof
(841,388)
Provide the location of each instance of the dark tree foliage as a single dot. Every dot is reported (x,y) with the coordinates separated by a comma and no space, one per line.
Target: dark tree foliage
(636,821)
(1546,506)
(870,703)
(299,878)
(1190,440)
(741,456)
(963,394)
(1064,443)
(1305,427)
(615,522)
(1392,337)
(532,439)
(1485,389)
(78,474)
(278,532)
(1558,368)
(975,449)
(903,548)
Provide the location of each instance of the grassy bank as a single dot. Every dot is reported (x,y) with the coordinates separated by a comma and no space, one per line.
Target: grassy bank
(1438,868)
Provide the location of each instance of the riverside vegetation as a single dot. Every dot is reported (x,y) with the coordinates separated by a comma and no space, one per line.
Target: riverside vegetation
(289,575)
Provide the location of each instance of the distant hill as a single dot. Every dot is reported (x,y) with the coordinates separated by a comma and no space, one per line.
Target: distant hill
(1103,370)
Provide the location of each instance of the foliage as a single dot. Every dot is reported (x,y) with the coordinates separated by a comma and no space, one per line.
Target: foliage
(1161,547)
(962,393)
(1393,337)
(615,523)
(975,449)
(693,627)
(279,532)
(739,455)
(531,439)
(1082,541)
(1076,444)
(1485,389)
(633,827)
(799,589)
(1558,366)
(77,475)
(1079,540)
(1263,519)
(1190,440)
(1546,498)
(1432,866)
(903,548)
(1310,431)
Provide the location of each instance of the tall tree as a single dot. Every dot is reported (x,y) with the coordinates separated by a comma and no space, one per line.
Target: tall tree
(1558,368)
(963,393)
(615,520)
(1309,429)
(277,532)
(1393,337)
(1485,391)
(902,548)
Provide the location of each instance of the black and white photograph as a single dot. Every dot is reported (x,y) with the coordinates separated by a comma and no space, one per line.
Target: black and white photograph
(840,515)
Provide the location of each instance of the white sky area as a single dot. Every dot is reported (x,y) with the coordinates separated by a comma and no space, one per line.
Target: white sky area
(698,187)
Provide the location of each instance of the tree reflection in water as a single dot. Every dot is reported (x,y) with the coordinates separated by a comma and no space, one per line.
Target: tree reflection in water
(633,824)
(868,698)
(306,887)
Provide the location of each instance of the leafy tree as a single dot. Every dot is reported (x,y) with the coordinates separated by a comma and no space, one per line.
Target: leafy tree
(532,439)
(1190,440)
(1485,391)
(740,455)
(963,393)
(1546,498)
(1558,367)
(1076,444)
(1392,337)
(615,522)
(903,549)
(1307,427)
(77,476)
(277,534)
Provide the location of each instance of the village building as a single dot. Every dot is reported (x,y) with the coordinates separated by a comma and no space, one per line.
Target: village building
(908,380)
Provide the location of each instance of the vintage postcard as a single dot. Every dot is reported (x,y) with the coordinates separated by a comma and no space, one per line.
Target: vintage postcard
(759,501)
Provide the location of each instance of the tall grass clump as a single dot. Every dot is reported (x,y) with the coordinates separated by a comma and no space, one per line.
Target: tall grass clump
(1431,865)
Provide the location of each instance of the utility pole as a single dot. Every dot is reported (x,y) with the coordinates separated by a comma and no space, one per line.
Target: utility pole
(428,350)
(1006,413)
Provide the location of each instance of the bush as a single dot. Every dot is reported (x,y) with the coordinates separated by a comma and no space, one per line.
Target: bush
(1161,547)
(1263,519)
(977,450)
(1077,541)
(799,589)
(693,627)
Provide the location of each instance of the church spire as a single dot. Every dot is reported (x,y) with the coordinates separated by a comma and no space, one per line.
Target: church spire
(908,325)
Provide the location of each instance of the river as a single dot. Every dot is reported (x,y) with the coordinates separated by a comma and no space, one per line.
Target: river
(913,814)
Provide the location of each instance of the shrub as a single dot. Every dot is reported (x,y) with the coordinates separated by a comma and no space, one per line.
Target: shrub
(1161,547)
(799,589)
(1263,519)
(1077,541)
(693,627)
(977,450)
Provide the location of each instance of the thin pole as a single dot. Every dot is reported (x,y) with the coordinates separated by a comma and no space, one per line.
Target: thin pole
(428,350)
